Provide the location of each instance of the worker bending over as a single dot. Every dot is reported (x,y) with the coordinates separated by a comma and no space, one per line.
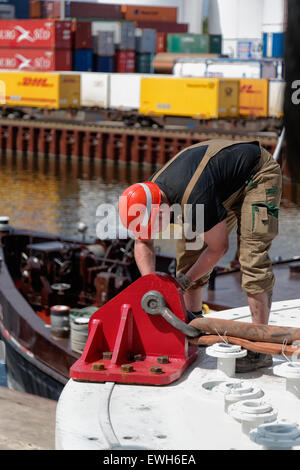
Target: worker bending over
(237,184)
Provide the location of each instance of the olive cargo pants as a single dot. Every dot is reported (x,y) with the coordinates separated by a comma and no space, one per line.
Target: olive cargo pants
(254,211)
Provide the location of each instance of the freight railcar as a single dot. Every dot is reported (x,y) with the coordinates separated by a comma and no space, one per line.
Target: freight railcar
(144,99)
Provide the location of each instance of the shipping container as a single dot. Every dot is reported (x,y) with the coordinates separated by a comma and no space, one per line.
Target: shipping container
(161,42)
(125,61)
(95,89)
(188,43)
(36,9)
(165,62)
(83,60)
(149,13)
(249,49)
(7,11)
(195,97)
(35,34)
(42,90)
(104,44)
(96,10)
(273,44)
(162,27)
(51,9)
(124,32)
(143,63)
(145,41)
(105,64)
(36,59)
(276,98)
(22,8)
(82,35)
(125,90)
(254,97)
(215,43)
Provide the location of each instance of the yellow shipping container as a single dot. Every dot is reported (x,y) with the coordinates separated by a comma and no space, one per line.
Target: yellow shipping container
(254,97)
(40,89)
(202,98)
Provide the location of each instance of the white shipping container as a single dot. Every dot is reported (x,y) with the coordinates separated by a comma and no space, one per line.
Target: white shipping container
(125,89)
(190,69)
(276,98)
(95,89)
(245,69)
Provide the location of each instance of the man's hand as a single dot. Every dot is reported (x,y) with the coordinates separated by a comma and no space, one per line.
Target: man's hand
(184,282)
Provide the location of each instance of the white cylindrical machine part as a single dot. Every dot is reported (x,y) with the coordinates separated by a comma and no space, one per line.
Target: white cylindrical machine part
(291,372)
(226,355)
(240,391)
(276,436)
(252,413)
(273,18)
(60,320)
(79,333)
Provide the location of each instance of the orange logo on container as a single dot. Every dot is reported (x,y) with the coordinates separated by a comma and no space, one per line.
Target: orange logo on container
(33,81)
(249,89)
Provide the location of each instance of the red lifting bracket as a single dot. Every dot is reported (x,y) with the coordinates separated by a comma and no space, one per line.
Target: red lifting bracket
(127,345)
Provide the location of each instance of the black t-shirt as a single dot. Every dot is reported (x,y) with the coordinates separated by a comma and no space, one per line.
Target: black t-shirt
(224,174)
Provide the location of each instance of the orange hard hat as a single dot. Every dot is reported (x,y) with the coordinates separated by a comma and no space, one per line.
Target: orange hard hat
(139,207)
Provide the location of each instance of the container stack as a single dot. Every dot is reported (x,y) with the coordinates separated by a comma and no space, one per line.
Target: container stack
(82,46)
(125,38)
(40,45)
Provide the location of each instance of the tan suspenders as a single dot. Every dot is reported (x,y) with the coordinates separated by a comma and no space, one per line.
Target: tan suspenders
(214,147)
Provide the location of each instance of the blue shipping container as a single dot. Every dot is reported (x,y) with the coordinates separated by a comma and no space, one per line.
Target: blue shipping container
(22,7)
(83,60)
(105,64)
(273,44)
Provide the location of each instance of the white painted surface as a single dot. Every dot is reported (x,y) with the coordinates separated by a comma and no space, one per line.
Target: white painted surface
(276,97)
(273,16)
(125,90)
(188,414)
(95,89)
(236,18)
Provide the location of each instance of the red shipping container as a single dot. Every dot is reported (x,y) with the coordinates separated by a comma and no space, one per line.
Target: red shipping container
(161,42)
(125,61)
(36,59)
(82,35)
(163,27)
(51,9)
(35,33)
(94,10)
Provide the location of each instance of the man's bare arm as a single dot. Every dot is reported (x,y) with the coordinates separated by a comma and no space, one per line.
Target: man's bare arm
(217,241)
(144,254)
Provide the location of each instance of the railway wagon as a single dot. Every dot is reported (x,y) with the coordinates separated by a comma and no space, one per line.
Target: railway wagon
(40,90)
(194,97)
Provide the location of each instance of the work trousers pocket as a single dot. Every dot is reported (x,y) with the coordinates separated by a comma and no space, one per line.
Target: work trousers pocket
(264,219)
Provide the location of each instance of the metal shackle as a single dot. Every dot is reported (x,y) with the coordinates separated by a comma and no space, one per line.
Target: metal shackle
(153,303)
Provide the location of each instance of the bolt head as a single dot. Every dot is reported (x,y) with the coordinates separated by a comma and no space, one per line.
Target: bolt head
(156,370)
(107,355)
(127,368)
(98,366)
(163,360)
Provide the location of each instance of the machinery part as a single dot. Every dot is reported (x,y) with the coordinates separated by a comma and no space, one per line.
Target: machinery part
(291,372)
(252,413)
(154,303)
(276,436)
(137,339)
(226,355)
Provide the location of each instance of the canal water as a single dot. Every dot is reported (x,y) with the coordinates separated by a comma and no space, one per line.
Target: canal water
(54,195)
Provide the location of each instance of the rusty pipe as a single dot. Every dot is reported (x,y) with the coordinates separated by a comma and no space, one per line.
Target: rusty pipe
(248,331)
